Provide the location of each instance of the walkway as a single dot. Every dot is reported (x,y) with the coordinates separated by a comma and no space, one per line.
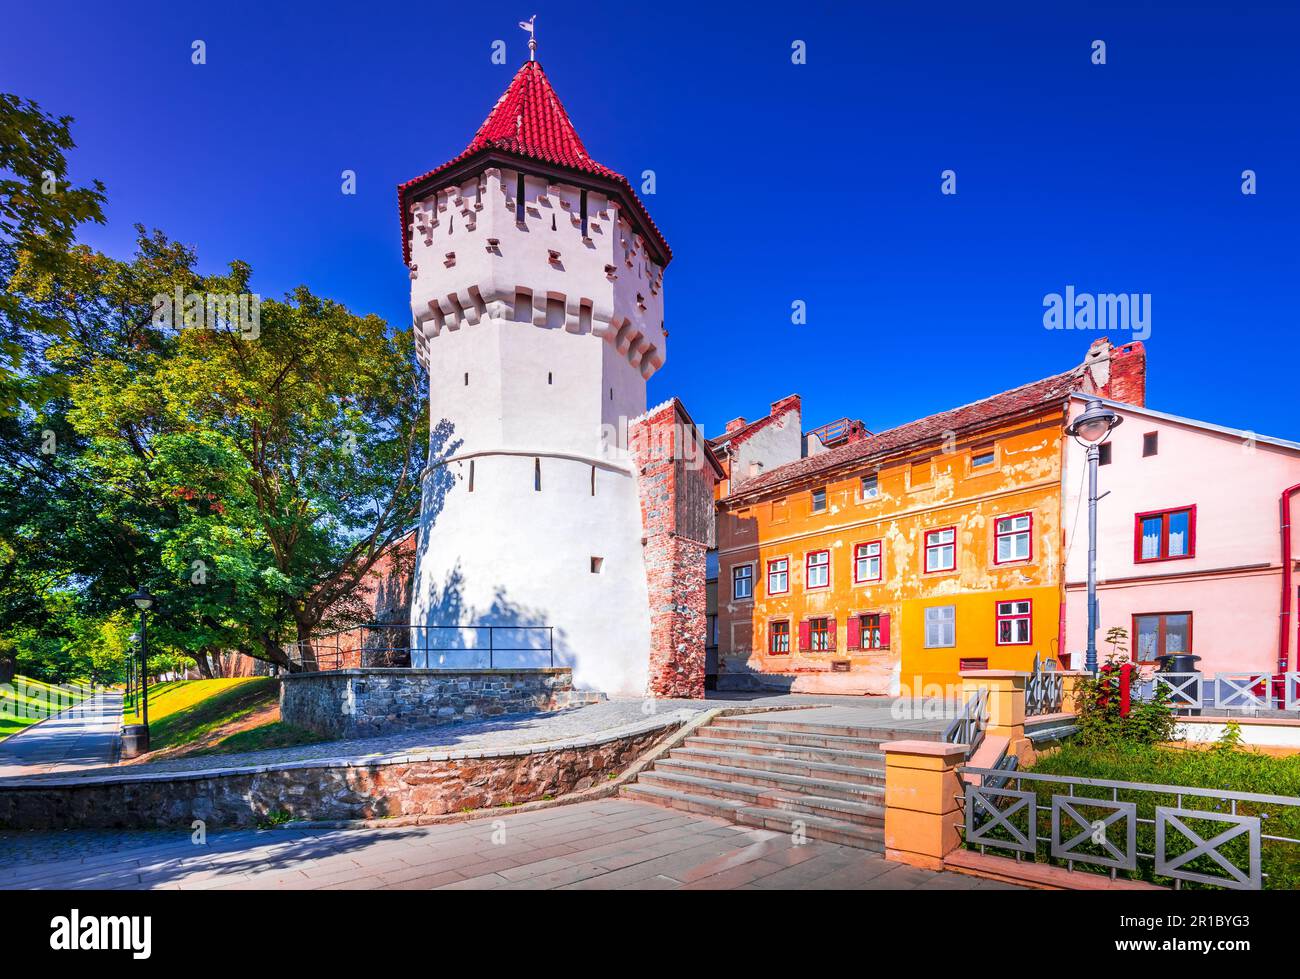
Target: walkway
(80,738)
(611,844)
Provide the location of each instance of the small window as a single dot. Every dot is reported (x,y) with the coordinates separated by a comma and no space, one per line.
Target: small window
(593,480)
(778,638)
(537,475)
(471,475)
(872,631)
(973,663)
(582,207)
(818,500)
(742,581)
(778,576)
(597,565)
(1103,454)
(1165,535)
(519,199)
(466,379)
(941,549)
(1150,443)
(870,487)
(981,457)
(940,626)
(550,377)
(866,561)
(1014,623)
(819,569)
(1160,634)
(819,632)
(1013,538)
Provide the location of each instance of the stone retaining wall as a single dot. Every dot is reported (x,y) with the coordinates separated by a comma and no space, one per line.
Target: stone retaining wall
(428,784)
(365,703)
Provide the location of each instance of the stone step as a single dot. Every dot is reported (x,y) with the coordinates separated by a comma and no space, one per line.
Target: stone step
(830,788)
(865,813)
(874,760)
(779,820)
(886,733)
(826,770)
(793,738)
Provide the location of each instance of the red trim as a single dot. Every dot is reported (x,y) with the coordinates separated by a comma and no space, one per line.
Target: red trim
(808,587)
(1161,634)
(772,634)
(880,558)
(999,618)
(805,636)
(1164,534)
(854,635)
(925,552)
(1014,533)
(884,630)
(768,582)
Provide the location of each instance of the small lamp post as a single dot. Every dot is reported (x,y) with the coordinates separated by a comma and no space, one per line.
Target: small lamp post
(130,671)
(1090,429)
(144,601)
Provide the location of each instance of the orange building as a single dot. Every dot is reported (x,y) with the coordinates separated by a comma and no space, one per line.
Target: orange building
(894,561)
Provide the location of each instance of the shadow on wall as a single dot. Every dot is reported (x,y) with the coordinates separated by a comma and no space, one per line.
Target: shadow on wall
(504,635)
(519,637)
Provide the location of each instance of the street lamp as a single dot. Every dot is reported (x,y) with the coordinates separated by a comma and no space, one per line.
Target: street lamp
(144,601)
(1090,429)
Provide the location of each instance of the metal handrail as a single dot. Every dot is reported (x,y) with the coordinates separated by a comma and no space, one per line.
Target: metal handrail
(401,645)
(968,727)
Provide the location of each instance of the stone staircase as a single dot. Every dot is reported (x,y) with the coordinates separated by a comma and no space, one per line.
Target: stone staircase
(762,770)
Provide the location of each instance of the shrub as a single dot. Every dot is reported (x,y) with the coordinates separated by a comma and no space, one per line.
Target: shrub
(1149,721)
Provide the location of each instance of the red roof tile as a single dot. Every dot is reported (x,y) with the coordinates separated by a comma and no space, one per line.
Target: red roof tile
(933,428)
(529,121)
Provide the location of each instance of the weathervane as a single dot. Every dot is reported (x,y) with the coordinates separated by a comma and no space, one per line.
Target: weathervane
(531,28)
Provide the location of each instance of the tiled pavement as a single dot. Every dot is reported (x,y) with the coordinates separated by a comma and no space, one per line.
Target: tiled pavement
(611,844)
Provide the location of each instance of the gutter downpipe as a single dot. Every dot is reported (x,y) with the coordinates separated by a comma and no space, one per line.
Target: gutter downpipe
(1284,622)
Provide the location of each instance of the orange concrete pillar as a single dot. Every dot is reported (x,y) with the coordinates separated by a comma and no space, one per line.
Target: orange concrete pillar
(1070,690)
(922,815)
(1006,704)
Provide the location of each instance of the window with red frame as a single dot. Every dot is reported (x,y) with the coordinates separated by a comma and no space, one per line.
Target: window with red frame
(820,637)
(1165,535)
(778,638)
(778,576)
(1161,633)
(819,569)
(1014,538)
(1015,624)
(941,549)
(869,631)
(867,561)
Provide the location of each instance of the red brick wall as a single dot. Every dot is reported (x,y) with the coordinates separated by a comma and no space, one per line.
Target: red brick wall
(1128,374)
(676,488)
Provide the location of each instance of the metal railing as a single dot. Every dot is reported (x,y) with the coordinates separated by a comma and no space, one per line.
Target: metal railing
(1045,689)
(1131,828)
(427,647)
(968,726)
(1258,691)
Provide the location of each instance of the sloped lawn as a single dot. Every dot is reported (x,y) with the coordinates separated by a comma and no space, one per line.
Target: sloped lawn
(26,701)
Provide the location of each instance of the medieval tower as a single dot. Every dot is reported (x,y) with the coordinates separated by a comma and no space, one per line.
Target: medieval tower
(537,295)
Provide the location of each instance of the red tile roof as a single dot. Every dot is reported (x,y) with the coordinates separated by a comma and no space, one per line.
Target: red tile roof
(529,121)
(1039,394)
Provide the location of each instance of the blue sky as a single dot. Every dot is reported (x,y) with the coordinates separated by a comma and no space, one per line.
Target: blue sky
(775,182)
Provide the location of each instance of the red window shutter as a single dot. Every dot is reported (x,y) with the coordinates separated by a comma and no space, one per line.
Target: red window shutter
(830,633)
(805,636)
(855,632)
(884,632)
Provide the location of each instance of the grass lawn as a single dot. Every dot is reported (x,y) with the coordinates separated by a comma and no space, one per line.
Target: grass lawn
(26,701)
(1240,771)
(216,717)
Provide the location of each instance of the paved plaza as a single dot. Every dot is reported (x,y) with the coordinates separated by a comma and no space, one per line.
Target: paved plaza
(611,844)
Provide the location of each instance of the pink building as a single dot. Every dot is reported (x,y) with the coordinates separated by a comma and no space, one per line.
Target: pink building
(1190,552)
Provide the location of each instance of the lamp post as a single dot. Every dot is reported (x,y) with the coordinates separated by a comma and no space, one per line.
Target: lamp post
(144,601)
(130,671)
(1090,429)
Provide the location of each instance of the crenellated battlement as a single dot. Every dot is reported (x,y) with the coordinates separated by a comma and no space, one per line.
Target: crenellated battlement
(557,257)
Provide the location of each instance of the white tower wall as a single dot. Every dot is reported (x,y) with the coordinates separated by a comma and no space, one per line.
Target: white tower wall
(537,343)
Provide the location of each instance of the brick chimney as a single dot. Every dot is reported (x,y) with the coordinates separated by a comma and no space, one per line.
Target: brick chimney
(1117,373)
(735,425)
